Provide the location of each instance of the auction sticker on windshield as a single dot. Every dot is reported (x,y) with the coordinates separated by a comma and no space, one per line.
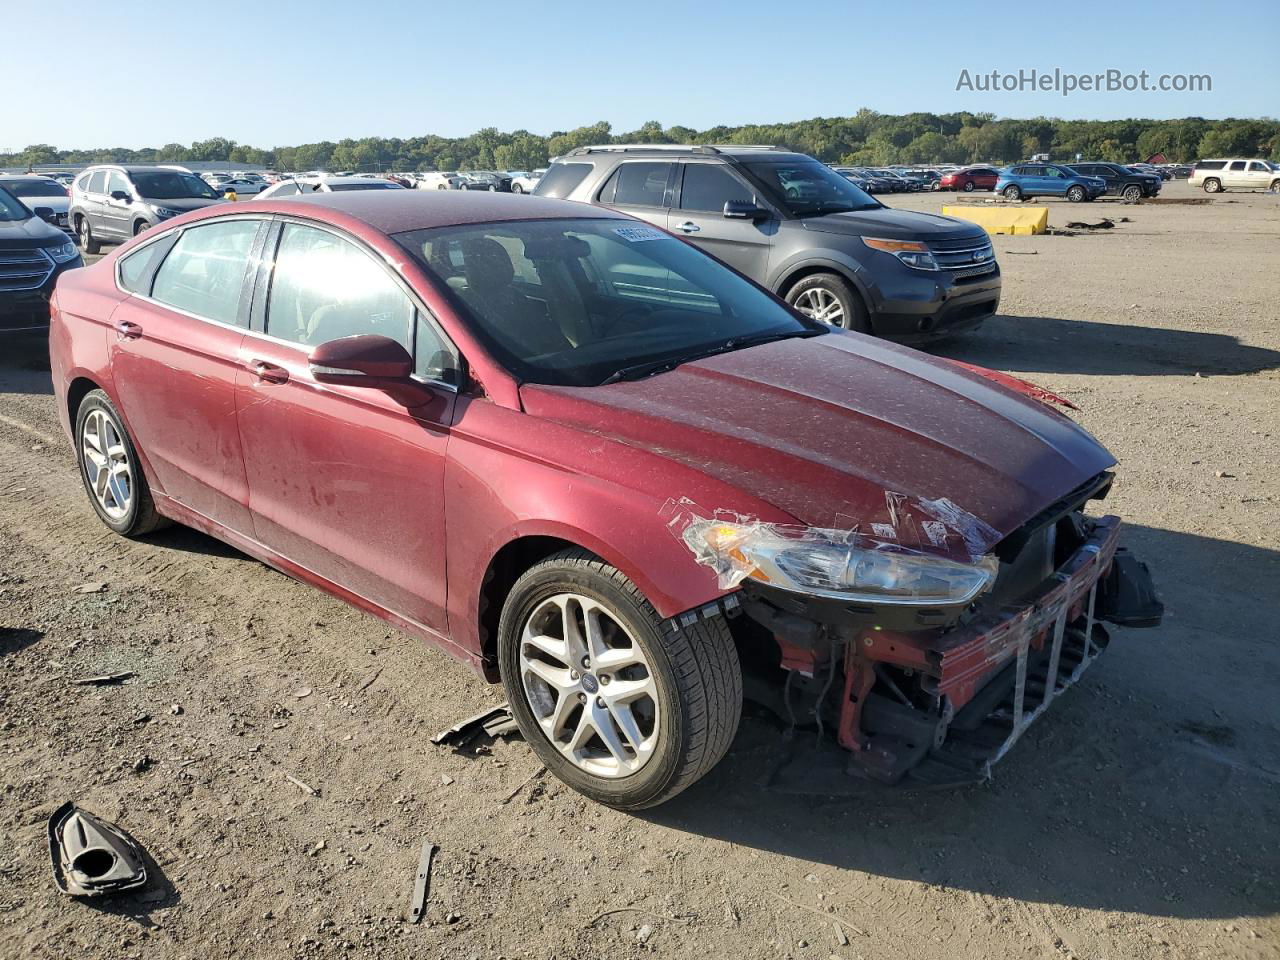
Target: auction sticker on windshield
(637,234)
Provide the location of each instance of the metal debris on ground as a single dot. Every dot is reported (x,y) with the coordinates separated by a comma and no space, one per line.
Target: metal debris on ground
(92,858)
(422,883)
(96,587)
(104,679)
(309,790)
(524,783)
(493,722)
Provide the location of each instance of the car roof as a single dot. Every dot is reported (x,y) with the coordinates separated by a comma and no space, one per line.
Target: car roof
(136,168)
(395,211)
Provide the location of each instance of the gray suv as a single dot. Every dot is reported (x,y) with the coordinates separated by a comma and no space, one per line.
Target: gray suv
(800,229)
(111,203)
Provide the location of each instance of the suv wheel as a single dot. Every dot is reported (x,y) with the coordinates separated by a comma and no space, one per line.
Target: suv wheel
(969,186)
(1213,185)
(1013,192)
(828,299)
(1132,193)
(110,470)
(621,705)
(140,226)
(1076,194)
(1275,186)
(87,241)
(516,188)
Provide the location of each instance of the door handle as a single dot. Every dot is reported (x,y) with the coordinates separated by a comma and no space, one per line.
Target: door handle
(688,227)
(268,372)
(126,330)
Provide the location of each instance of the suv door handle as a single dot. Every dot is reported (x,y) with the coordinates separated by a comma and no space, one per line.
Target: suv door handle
(267,372)
(125,330)
(688,227)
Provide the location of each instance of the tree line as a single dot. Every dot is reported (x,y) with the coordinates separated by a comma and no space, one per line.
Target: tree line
(867,139)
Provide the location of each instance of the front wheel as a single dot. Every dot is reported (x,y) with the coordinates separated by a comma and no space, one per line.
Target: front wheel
(1132,193)
(969,186)
(110,469)
(621,705)
(1076,194)
(829,299)
(1013,192)
(516,188)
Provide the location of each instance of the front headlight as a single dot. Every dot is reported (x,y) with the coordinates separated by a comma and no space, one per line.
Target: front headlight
(165,212)
(911,252)
(832,563)
(63,253)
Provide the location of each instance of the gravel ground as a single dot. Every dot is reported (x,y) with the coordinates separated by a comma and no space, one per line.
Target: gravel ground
(1138,819)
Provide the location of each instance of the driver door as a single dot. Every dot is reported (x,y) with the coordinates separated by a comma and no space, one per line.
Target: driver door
(698,215)
(346,482)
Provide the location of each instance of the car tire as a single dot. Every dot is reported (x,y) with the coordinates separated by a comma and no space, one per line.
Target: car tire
(88,243)
(442,186)
(1213,185)
(1275,186)
(1077,194)
(679,727)
(828,298)
(969,186)
(1013,192)
(1132,193)
(141,227)
(516,188)
(109,463)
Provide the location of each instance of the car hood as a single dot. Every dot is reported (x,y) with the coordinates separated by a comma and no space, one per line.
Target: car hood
(32,232)
(891,224)
(185,204)
(850,432)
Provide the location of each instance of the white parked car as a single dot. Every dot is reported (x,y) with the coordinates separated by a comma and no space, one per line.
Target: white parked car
(525,182)
(437,180)
(243,186)
(1215,176)
(303,185)
(36,191)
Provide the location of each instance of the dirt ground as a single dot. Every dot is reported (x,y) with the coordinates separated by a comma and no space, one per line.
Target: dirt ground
(1140,818)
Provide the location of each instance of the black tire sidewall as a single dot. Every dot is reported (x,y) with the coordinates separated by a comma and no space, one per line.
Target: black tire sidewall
(568,576)
(855,311)
(98,400)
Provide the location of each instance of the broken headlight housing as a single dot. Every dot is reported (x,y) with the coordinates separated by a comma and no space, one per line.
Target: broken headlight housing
(832,563)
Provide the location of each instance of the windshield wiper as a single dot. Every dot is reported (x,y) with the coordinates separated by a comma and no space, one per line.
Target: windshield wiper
(653,367)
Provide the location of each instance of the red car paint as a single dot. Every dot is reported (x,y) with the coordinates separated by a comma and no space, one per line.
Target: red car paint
(969,179)
(403,509)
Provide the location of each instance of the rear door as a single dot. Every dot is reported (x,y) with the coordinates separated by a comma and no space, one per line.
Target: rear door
(175,355)
(346,482)
(117,215)
(1235,175)
(91,201)
(698,214)
(641,188)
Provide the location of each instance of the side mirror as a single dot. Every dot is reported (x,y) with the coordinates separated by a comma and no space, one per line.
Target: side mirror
(46,214)
(365,360)
(744,210)
(121,196)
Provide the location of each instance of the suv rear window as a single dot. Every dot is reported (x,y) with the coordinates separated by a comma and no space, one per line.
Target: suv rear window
(638,184)
(560,180)
(1211,164)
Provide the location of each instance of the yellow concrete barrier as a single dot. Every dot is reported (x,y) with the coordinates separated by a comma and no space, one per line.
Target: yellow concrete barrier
(999,218)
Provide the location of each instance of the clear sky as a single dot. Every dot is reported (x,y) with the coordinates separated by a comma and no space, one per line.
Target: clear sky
(134,73)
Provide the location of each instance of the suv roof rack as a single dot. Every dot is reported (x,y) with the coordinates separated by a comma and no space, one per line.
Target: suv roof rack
(670,147)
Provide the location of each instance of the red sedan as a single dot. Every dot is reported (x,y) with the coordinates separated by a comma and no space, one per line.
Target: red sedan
(970,179)
(604,469)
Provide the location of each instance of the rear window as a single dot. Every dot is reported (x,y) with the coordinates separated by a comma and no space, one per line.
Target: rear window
(204,272)
(35,187)
(1211,164)
(562,179)
(371,185)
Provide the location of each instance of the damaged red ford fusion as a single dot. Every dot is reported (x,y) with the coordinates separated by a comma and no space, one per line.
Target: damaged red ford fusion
(605,469)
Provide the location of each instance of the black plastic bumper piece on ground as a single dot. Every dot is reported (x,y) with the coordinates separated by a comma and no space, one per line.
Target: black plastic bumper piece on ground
(1127,595)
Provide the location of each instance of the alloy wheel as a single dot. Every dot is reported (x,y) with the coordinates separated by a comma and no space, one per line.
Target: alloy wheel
(821,305)
(586,679)
(105,461)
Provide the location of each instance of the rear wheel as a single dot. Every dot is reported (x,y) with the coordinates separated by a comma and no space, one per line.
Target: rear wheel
(1132,193)
(110,469)
(828,299)
(618,703)
(1013,192)
(87,241)
(1213,185)
(516,188)
(1076,194)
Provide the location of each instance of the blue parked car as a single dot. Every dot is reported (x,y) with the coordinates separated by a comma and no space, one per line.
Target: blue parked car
(1026,180)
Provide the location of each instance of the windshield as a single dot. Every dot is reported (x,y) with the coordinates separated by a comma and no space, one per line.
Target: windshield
(172,186)
(810,189)
(584,302)
(370,185)
(35,187)
(11,207)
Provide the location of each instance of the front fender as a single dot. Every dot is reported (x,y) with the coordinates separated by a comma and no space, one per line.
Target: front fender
(823,258)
